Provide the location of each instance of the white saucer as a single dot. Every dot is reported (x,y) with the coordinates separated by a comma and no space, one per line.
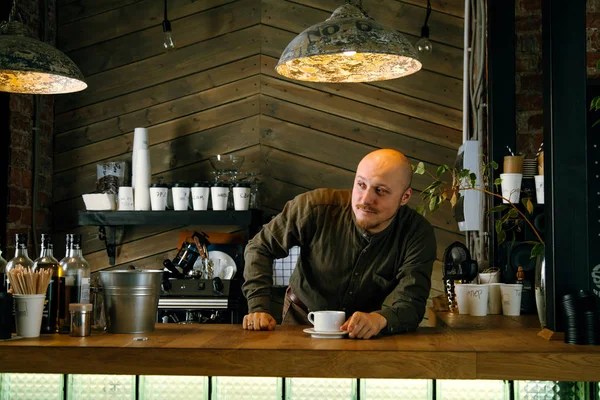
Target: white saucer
(325,334)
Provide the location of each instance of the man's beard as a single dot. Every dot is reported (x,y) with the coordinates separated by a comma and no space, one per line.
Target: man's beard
(371,225)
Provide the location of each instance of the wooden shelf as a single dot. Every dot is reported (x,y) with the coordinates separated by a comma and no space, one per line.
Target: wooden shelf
(169,217)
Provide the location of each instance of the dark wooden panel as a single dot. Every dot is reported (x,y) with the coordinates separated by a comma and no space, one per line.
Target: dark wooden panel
(147,97)
(444,60)
(359,132)
(362,112)
(126,19)
(380,97)
(404,17)
(166,121)
(70,11)
(148,43)
(166,156)
(208,217)
(163,68)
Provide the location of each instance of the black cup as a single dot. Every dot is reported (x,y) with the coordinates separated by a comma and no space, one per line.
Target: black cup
(6,315)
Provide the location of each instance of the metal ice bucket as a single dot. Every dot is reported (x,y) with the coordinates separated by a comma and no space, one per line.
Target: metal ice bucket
(131,299)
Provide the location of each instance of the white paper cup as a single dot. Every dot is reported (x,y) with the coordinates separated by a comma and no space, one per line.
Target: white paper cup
(28,314)
(241,197)
(539,189)
(489,277)
(327,321)
(200,197)
(511,298)
(461,297)
(158,198)
(181,198)
(494,299)
(219,195)
(511,187)
(477,296)
(125,202)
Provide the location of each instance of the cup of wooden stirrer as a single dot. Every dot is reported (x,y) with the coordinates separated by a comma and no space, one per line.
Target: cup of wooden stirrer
(29,293)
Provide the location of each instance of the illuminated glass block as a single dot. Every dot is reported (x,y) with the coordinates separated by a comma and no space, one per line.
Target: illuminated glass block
(551,390)
(100,387)
(320,388)
(471,389)
(32,386)
(393,389)
(156,387)
(233,388)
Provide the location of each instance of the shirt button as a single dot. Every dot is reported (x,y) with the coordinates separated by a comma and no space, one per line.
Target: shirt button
(350,292)
(356,274)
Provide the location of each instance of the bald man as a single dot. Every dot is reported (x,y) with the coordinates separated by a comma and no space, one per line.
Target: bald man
(359,249)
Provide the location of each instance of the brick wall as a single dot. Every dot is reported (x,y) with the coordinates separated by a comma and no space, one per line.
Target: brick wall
(22,117)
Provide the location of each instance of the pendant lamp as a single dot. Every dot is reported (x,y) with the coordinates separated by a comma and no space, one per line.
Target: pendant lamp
(28,65)
(348,47)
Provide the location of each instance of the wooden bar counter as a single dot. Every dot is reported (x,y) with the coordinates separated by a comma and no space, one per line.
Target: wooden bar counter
(454,347)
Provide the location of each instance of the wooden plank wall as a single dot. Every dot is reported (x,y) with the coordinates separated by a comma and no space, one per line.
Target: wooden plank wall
(218,93)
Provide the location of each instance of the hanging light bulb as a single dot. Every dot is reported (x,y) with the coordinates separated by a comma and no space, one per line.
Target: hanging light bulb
(424,46)
(348,47)
(168,36)
(29,65)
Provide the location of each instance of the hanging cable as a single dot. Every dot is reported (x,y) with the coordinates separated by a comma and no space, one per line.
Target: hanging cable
(424,46)
(167,35)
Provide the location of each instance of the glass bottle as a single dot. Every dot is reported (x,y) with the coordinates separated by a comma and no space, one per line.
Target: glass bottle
(3,287)
(56,288)
(76,272)
(21,258)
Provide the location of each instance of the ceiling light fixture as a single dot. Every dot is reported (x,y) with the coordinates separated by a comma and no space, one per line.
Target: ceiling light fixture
(28,65)
(348,47)
(424,46)
(168,37)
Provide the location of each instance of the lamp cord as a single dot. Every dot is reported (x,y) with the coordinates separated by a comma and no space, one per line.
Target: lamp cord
(165,10)
(428,12)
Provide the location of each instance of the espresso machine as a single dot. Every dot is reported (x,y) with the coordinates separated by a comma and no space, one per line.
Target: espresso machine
(194,292)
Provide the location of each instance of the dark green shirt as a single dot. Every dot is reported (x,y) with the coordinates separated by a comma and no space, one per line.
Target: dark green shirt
(341,266)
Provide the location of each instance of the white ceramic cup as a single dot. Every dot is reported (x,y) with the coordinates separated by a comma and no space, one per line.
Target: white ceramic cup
(494,299)
(219,195)
(539,189)
(327,321)
(511,298)
(200,196)
(125,202)
(241,197)
(181,198)
(511,187)
(28,314)
(158,198)
(477,296)
(461,297)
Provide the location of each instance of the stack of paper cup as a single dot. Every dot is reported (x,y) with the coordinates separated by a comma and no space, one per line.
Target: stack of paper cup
(141,169)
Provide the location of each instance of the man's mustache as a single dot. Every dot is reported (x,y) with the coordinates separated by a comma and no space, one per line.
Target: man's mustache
(366,208)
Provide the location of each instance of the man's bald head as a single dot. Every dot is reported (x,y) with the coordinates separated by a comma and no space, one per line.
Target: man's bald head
(389,161)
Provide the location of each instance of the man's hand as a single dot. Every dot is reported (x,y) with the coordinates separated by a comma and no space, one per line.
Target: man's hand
(364,325)
(259,321)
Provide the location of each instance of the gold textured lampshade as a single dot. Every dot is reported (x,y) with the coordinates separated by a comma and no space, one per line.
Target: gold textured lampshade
(348,47)
(28,65)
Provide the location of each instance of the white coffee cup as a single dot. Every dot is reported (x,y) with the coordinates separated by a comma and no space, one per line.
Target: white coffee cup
(495,299)
(327,321)
(477,296)
(181,197)
(200,196)
(241,196)
(539,189)
(219,194)
(158,197)
(511,187)
(489,277)
(511,298)
(461,297)
(125,201)
(28,314)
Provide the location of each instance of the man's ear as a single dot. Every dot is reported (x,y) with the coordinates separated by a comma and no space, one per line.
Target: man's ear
(406,196)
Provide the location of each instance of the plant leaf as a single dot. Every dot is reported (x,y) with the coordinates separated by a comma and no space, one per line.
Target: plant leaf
(473,178)
(498,226)
(454,199)
(538,250)
(513,213)
(494,164)
(433,203)
(420,209)
(440,171)
(501,237)
(529,206)
(420,168)
(498,208)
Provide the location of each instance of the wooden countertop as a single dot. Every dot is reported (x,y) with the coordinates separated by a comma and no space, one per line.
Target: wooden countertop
(457,347)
